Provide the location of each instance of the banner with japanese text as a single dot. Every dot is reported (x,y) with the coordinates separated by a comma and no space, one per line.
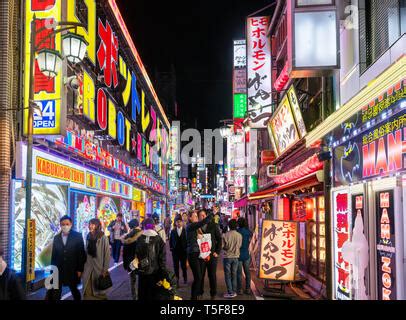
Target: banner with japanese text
(259,71)
(278,250)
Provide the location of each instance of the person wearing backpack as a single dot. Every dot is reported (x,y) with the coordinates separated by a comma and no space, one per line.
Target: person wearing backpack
(150,253)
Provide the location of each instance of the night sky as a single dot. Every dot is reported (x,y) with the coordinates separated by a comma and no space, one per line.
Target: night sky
(196,37)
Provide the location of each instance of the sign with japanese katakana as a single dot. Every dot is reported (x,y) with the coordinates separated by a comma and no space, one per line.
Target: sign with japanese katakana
(278,250)
(259,71)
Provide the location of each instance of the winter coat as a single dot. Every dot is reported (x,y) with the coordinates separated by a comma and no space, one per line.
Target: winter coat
(10,286)
(70,258)
(129,247)
(246,237)
(95,267)
(141,247)
(191,234)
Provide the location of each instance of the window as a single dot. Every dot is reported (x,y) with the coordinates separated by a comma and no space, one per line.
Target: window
(381,24)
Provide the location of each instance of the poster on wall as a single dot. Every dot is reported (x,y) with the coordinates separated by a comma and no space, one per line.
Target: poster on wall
(107,210)
(278,250)
(341,228)
(355,250)
(385,245)
(125,209)
(83,208)
(49,203)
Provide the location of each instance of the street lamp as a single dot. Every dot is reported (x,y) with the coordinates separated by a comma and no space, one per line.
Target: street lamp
(49,62)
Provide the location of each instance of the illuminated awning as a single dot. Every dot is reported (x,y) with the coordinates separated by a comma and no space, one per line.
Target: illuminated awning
(241,202)
(308,181)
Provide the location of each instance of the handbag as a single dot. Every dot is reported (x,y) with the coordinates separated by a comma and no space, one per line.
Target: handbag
(205,245)
(104,282)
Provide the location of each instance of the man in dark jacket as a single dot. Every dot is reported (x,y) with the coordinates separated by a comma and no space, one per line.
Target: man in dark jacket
(210,264)
(69,256)
(178,244)
(129,254)
(193,250)
(10,285)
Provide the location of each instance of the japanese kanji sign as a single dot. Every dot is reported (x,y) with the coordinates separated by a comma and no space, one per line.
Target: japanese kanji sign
(278,250)
(259,71)
(341,225)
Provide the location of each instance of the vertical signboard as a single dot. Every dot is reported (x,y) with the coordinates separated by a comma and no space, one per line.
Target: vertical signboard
(31,250)
(240,79)
(47,91)
(259,71)
(342,271)
(385,245)
(278,250)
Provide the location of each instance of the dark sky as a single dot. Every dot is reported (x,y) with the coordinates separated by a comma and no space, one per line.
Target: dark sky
(196,37)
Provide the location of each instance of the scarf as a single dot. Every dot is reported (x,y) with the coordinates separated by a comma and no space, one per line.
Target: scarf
(92,245)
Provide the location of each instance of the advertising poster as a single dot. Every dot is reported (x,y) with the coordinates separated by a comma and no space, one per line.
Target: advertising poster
(278,250)
(356,250)
(386,246)
(125,209)
(83,208)
(49,203)
(341,229)
(107,210)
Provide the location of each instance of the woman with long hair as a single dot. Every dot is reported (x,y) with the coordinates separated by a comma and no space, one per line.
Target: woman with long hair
(97,263)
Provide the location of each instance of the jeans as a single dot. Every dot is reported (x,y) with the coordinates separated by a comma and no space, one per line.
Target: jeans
(197,274)
(230,274)
(116,248)
(246,266)
(211,267)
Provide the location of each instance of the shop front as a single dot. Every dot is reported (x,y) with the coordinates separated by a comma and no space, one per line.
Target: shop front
(368,200)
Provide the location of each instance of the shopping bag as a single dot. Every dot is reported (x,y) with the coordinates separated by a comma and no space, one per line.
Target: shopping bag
(204,243)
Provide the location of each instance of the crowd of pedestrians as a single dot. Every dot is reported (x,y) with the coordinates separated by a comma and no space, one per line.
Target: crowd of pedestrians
(196,239)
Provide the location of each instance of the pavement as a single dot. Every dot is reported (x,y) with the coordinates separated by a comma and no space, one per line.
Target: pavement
(121,286)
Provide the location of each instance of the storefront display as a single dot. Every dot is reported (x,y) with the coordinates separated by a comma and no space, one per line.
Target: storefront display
(83,208)
(107,210)
(49,204)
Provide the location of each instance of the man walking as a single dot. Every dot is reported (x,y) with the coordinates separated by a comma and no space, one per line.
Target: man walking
(210,264)
(117,229)
(232,241)
(69,256)
(178,246)
(167,225)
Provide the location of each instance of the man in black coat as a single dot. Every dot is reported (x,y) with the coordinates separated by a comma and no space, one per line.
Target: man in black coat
(69,256)
(10,286)
(210,264)
(178,245)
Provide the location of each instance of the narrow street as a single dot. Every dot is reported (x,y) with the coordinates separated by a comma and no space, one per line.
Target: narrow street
(121,284)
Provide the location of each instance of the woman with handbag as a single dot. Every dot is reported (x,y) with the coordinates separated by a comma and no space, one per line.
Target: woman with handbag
(96,277)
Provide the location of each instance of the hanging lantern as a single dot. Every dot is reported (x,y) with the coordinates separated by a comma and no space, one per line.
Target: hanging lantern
(74,47)
(49,62)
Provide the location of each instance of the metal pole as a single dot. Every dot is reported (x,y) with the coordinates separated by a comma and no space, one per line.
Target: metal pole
(30,128)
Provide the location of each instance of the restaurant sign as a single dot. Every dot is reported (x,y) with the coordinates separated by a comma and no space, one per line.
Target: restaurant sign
(278,250)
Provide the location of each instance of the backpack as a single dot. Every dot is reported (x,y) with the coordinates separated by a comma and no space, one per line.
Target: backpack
(147,255)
